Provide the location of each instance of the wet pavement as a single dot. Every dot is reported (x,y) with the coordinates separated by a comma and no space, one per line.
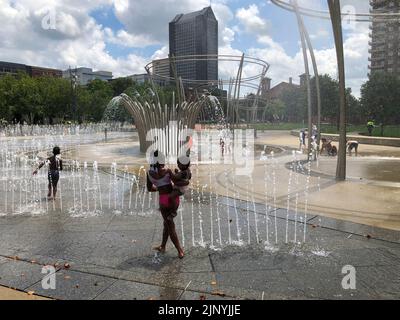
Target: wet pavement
(109,254)
(364,168)
(239,244)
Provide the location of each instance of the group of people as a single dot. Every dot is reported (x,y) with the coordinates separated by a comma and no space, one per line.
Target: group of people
(170,186)
(332,150)
(327,145)
(314,137)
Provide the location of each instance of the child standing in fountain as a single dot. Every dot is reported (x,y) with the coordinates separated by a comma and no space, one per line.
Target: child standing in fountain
(55,166)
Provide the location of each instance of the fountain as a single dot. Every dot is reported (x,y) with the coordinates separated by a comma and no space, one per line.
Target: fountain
(165,125)
(207,217)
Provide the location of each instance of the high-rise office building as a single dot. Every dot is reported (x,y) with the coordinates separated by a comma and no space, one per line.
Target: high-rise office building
(384,37)
(191,34)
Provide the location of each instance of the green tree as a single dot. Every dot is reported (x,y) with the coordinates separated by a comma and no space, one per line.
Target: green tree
(56,98)
(100,95)
(329,90)
(275,110)
(28,101)
(7,92)
(119,85)
(380,98)
(354,111)
(295,101)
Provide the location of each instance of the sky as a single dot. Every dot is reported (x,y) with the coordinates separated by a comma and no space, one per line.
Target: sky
(122,36)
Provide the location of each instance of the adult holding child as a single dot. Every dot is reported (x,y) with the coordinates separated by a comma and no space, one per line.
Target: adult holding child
(160,179)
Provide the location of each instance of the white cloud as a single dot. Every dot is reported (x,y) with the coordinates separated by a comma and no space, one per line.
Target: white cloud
(251,20)
(126,39)
(81,41)
(321,33)
(284,66)
(161,53)
(135,15)
(77,40)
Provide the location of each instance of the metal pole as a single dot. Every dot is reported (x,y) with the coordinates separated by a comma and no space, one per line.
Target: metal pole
(307,71)
(335,13)
(317,86)
(75,94)
(236,94)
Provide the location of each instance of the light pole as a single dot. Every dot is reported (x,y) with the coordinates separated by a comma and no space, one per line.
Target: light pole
(74,82)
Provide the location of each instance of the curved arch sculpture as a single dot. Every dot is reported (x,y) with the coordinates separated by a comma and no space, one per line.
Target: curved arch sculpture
(181,114)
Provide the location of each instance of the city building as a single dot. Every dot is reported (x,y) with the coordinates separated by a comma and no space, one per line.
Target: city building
(287,92)
(191,34)
(86,75)
(11,68)
(280,89)
(144,77)
(384,38)
(140,78)
(35,72)
(161,68)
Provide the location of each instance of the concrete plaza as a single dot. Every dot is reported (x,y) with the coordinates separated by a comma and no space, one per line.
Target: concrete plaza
(239,243)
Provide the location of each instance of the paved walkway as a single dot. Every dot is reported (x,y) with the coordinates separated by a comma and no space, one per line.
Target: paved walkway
(369,196)
(110,257)
(239,244)
(284,138)
(234,250)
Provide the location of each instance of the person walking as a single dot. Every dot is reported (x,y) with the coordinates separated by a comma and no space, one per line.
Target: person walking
(370,127)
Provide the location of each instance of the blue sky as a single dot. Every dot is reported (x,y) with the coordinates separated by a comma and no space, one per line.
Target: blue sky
(122,36)
(280,21)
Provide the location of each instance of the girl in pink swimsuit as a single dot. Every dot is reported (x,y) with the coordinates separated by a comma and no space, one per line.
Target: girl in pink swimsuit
(160,179)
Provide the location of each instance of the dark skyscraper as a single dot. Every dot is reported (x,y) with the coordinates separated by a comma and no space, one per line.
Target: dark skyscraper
(195,33)
(384,43)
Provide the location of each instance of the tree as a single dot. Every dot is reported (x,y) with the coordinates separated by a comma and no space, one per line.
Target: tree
(275,110)
(354,111)
(7,91)
(100,95)
(295,101)
(119,85)
(56,98)
(329,97)
(28,101)
(329,89)
(380,98)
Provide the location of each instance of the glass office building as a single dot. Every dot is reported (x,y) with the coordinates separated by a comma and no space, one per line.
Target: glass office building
(195,33)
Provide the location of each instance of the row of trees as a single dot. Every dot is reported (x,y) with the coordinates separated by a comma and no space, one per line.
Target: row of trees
(380,100)
(50,100)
